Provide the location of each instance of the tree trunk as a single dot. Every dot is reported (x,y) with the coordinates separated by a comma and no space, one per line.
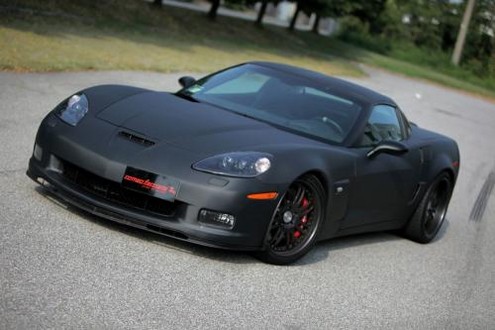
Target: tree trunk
(261,12)
(157,3)
(316,24)
(294,18)
(212,14)
(461,36)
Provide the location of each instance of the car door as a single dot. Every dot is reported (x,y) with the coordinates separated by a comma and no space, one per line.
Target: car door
(385,184)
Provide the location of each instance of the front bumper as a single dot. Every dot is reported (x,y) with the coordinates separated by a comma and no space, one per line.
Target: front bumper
(197,191)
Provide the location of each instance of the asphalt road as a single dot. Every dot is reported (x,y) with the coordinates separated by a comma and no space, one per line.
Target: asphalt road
(60,268)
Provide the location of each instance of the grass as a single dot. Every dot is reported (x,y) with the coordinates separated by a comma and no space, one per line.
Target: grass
(58,35)
(404,57)
(144,38)
(454,79)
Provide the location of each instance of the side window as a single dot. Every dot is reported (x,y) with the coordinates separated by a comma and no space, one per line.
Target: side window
(405,122)
(383,124)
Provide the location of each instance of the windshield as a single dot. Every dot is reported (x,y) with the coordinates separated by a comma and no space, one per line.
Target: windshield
(285,100)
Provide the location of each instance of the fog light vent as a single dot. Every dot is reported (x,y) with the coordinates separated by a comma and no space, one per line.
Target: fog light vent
(38,152)
(214,218)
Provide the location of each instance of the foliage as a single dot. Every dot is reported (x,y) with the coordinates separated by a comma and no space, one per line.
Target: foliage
(413,30)
(376,44)
(479,53)
(369,12)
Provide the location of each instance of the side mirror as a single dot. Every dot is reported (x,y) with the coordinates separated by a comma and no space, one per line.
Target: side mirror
(388,147)
(186,81)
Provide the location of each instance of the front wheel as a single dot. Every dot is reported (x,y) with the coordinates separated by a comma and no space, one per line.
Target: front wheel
(295,222)
(430,214)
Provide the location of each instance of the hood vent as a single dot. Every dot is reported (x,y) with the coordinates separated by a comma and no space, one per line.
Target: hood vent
(136,139)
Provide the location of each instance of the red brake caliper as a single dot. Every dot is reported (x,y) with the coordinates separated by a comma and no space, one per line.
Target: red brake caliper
(304,204)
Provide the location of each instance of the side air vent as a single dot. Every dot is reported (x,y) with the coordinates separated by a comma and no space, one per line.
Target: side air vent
(136,139)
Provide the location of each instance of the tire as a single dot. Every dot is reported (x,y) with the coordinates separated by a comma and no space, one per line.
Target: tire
(430,213)
(295,223)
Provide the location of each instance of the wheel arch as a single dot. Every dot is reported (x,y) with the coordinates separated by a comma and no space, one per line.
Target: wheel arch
(335,206)
(313,180)
(444,161)
(450,173)
(324,180)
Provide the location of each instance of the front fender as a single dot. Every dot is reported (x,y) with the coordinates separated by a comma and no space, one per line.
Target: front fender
(334,166)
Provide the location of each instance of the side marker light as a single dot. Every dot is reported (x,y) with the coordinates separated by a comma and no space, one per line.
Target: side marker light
(263,196)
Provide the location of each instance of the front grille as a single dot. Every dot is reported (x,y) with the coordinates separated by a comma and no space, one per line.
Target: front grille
(114,192)
(136,139)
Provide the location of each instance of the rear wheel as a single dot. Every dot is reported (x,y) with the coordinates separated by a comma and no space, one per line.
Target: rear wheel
(295,222)
(430,214)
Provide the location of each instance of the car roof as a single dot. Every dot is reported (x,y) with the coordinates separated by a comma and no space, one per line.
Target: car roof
(360,93)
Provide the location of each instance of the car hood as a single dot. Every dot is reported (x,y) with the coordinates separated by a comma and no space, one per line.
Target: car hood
(197,127)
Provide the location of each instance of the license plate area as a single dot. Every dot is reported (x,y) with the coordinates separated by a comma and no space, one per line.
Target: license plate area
(158,186)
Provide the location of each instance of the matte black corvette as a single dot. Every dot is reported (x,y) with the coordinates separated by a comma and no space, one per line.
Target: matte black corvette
(260,156)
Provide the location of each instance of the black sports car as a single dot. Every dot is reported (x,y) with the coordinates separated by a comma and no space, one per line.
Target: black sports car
(260,156)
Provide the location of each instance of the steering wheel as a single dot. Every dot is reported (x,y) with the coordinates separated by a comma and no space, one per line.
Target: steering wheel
(333,124)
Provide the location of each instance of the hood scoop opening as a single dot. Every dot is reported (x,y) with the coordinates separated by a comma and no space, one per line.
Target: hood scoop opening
(136,139)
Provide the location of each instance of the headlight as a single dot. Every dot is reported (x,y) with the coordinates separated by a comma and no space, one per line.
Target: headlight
(74,109)
(240,164)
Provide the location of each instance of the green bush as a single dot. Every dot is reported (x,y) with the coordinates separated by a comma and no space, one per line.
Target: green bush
(475,71)
(377,45)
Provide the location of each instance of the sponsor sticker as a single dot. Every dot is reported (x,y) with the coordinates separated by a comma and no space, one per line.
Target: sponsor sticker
(150,183)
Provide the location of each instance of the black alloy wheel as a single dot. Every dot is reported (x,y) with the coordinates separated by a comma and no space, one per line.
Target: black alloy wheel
(295,223)
(430,214)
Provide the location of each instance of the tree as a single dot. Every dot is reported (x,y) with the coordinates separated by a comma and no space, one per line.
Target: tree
(293,21)
(479,48)
(427,23)
(369,12)
(330,8)
(308,7)
(212,13)
(261,12)
(215,5)
(316,24)
(321,8)
(461,36)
